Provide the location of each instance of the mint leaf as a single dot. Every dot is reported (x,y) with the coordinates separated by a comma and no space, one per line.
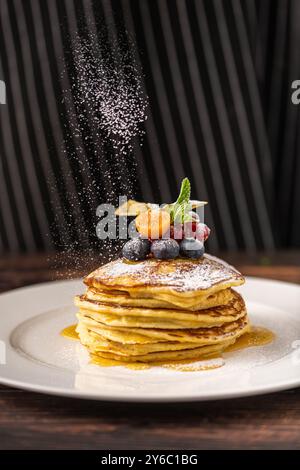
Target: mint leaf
(185,192)
(181,213)
(177,213)
(179,210)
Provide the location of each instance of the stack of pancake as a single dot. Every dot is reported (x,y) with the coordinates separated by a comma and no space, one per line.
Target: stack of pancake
(157,311)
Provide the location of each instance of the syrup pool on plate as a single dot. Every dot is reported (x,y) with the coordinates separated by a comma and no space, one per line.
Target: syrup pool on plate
(256,336)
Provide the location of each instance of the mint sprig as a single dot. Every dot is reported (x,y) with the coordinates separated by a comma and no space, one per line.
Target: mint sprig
(179,210)
(181,213)
(185,192)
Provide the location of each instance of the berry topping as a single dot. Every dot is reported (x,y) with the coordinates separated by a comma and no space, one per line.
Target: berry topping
(170,230)
(153,223)
(136,249)
(196,230)
(202,232)
(191,248)
(176,231)
(194,216)
(165,249)
(190,229)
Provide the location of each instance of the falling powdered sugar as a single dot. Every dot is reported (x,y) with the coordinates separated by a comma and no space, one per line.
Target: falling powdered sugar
(110,91)
(105,106)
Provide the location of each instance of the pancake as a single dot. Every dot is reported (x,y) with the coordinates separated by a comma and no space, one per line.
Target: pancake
(167,357)
(181,282)
(114,297)
(157,311)
(107,350)
(118,316)
(130,336)
(101,344)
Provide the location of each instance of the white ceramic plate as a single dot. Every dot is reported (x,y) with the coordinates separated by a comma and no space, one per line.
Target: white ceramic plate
(34,356)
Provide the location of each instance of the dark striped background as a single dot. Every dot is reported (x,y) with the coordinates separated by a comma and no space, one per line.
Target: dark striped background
(218,75)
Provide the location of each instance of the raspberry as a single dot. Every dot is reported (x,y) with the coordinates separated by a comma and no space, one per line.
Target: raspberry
(190,229)
(202,232)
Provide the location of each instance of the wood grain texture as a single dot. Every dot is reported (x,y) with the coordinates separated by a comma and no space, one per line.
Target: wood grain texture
(35,421)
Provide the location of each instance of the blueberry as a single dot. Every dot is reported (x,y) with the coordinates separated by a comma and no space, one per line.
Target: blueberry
(165,249)
(136,249)
(191,248)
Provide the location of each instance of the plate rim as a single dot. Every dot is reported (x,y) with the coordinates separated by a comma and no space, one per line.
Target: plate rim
(63,392)
(73,393)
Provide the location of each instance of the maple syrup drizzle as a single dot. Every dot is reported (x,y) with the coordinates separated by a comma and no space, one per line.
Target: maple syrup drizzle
(189,365)
(256,336)
(70,332)
(101,361)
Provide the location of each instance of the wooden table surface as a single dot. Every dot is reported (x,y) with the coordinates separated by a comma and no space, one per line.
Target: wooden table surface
(35,421)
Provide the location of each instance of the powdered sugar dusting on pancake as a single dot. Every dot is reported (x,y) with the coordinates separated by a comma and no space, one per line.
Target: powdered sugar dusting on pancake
(179,274)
